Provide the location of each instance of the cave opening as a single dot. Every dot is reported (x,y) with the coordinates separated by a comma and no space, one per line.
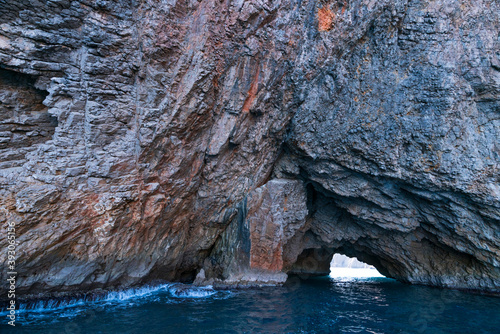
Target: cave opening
(333,263)
(343,267)
(336,244)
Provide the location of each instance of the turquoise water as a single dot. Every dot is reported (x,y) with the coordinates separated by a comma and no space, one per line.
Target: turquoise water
(319,305)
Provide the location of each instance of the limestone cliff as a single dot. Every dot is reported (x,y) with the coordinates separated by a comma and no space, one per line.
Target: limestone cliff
(243,140)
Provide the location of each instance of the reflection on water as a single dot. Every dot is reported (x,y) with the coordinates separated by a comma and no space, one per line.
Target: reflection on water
(319,305)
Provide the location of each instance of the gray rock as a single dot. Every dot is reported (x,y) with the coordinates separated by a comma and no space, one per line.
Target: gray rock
(134,135)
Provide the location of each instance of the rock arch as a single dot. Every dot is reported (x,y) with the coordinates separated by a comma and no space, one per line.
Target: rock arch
(295,227)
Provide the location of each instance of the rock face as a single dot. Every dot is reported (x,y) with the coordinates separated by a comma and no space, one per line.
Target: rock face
(243,140)
(398,138)
(251,249)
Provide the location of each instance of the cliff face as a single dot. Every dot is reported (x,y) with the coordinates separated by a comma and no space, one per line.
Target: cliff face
(250,139)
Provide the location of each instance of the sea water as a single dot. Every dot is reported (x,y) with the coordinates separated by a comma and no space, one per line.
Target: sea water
(339,304)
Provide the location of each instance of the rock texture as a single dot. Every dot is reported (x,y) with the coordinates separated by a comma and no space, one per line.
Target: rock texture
(398,137)
(243,140)
(251,249)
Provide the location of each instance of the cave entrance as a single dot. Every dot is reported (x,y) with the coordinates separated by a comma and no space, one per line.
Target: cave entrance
(327,262)
(343,267)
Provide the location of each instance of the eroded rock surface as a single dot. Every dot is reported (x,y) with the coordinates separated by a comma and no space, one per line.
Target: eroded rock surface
(251,249)
(146,141)
(398,138)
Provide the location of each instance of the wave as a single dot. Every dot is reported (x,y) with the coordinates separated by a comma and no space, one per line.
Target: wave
(175,290)
(51,304)
(128,294)
(183,291)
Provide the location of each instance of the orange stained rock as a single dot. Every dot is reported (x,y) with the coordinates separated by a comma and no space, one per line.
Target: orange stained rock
(252,92)
(325,19)
(265,257)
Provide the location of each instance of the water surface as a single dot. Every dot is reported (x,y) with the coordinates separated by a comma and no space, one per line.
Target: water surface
(318,305)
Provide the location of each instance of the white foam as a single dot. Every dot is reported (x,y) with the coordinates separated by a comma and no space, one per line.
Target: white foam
(134,293)
(117,297)
(181,291)
(110,297)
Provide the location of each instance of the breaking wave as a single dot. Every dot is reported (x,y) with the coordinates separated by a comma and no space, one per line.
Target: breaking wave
(182,291)
(165,293)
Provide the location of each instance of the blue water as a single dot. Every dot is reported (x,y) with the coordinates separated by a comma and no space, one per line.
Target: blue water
(319,305)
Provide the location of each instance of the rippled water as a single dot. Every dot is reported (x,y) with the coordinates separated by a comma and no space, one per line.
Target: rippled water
(319,305)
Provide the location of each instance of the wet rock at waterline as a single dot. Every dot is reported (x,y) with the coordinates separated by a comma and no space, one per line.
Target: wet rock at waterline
(241,141)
